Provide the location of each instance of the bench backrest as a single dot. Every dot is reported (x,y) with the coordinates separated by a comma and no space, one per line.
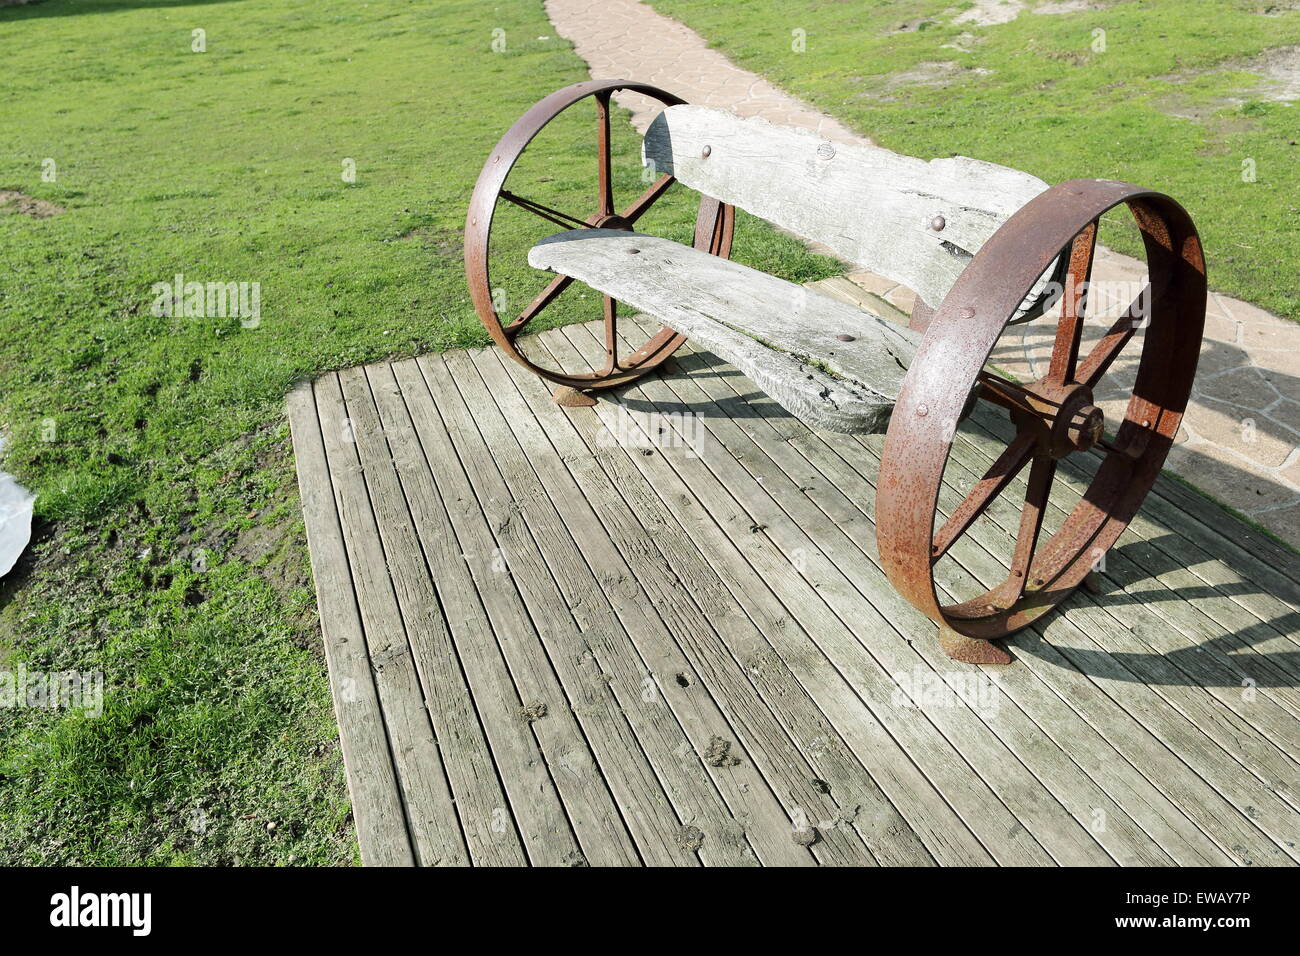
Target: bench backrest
(872,207)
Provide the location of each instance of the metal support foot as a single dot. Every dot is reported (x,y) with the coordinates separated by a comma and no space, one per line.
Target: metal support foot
(1092,583)
(571,397)
(969,650)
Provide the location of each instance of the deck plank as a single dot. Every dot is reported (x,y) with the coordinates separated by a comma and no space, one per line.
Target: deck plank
(663,563)
(802,592)
(837,486)
(664,581)
(1086,801)
(563,582)
(426,794)
(467,688)
(1247,839)
(372,778)
(789,519)
(1178,562)
(652,650)
(571,691)
(941,830)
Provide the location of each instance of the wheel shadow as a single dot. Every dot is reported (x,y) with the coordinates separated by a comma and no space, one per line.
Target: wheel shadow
(1249,653)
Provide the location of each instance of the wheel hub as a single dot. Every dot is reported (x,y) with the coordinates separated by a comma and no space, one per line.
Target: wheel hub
(1078,423)
(1062,416)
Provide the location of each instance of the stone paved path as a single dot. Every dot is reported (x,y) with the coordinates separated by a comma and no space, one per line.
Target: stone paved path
(1241,440)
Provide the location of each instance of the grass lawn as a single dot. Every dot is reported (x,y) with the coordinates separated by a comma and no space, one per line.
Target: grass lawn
(1050,95)
(169,551)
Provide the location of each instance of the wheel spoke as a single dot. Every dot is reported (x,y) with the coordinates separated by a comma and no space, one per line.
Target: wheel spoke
(544,298)
(1031,522)
(561,219)
(1124,451)
(1105,352)
(648,198)
(611,335)
(1008,465)
(1065,350)
(1009,395)
(605,187)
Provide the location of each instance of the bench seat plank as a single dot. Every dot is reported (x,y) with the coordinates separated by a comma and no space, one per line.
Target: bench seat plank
(782,335)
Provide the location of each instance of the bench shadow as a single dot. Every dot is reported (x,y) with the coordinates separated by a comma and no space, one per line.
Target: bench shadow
(1168,669)
(1241,664)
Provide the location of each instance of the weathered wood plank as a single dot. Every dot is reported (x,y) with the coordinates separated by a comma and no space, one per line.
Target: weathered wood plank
(1173,643)
(783,335)
(1052,765)
(1243,844)
(426,795)
(663,563)
(540,550)
(840,287)
(839,488)
(871,206)
(1207,568)
(372,780)
(1240,726)
(1172,578)
(755,571)
(856,797)
(792,521)
(886,831)
(466,679)
(1186,786)
(767,825)
(1263,550)
(497,563)
(792,566)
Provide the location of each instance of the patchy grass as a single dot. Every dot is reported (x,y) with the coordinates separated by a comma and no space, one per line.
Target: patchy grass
(170,554)
(1166,102)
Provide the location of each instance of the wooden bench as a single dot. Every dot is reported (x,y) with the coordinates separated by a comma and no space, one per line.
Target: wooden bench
(981,245)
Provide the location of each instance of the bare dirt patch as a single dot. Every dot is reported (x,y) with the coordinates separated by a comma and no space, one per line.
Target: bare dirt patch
(12,201)
(987,13)
(1278,70)
(932,73)
(1067,6)
(963,42)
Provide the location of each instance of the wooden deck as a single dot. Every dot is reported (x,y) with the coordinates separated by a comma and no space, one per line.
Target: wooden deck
(554,639)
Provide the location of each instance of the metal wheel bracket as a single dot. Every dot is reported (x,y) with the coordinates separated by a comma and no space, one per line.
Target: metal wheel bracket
(569,397)
(971,650)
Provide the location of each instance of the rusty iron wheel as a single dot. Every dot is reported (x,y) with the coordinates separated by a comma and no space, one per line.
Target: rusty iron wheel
(1054,416)
(714,227)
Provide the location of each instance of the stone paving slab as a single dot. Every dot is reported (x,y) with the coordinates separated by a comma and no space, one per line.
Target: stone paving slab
(1241,435)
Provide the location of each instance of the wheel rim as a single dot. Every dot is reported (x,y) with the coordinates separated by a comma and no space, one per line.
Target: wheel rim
(1054,416)
(714,228)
